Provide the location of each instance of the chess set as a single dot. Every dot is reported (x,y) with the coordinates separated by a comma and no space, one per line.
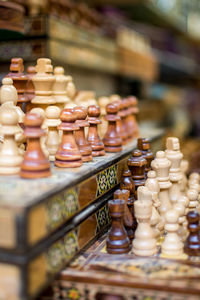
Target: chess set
(152,250)
(62,155)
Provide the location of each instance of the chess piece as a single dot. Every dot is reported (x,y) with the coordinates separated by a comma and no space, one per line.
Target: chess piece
(59,87)
(119,124)
(10,158)
(128,129)
(84,147)
(19,79)
(136,164)
(35,164)
(70,89)
(112,141)
(172,247)
(175,156)
(52,121)
(103,102)
(192,244)
(30,91)
(128,219)
(194,177)
(184,201)
(193,199)
(161,166)
(144,146)
(117,241)
(144,243)
(131,119)
(68,154)
(180,208)
(183,182)
(85,98)
(93,137)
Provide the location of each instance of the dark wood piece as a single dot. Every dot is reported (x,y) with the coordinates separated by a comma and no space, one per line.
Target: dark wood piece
(128,124)
(128,218)
(144,147)
(84,147)
(119,125)
(136,164)
(192,244)
(132,119)
(93,137)
(112,141)
(68,154)
(30,90)
(117,241)
(35,163)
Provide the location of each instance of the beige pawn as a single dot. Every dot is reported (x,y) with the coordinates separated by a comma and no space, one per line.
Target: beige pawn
(193,199)
(180,208)
(194,177)
(175,156)
(85,98)
(172,247)
(52,121)
(153,186)
(161,166)
(71,89)
(10,158)
(59,88)
(144,243)
(184,165)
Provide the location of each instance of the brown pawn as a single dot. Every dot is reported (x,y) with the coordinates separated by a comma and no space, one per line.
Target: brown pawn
(128,218)
(119,125)
(19,79)
(136,164)
(127,123)
(131,119)
(30,90)
(127,183)
(35,163)
(93,137)
(68,154)
(192,244)
(84,147)
(144,146)
(112,141)
(117,241)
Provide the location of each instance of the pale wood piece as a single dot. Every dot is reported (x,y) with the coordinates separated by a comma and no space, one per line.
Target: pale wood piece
(85,98)
(51,122)
(144,243)
(71,89)
(193,199)
(10,158)
(175,156)
(184,165)
(30,91)
(184,200)
(180,208)
(161,166)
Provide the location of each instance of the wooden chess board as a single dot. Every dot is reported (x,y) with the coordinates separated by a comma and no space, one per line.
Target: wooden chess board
(96,274)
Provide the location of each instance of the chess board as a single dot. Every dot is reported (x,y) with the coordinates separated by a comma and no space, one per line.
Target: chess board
(97,274)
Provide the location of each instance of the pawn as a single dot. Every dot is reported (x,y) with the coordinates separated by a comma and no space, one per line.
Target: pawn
(183,182)
(10,158)
(117,241)
(30,91)
(134,110)
(35,163)
(111,140)
(193,199)
(84,147)
(52,121)
(136,164)
(144,146)
(192,244)
(68,154)
(144,243)
(119,125)
(93,137)
(128,219)
(180,208)
(128,129)
(194,177)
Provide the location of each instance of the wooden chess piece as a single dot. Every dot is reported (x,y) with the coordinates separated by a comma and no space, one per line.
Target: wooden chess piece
(19,79)
(192,244)
(132,119)
(184,165)
(35,164)
(128,218)
(174,155)
(93,137)
(172,247)
(112,141)
(180,208)
(144,243)
(194,177)
(161,166)
(103,102)
(184,201)
(30,90)
(136,164)
(144,146)
(117,241)
(193,199)
(85,98)
(84,147)
(128,129)
(52,121)
(59,87)
(119,124)
(68,154)
(70,88)
(10,158)
(123,115)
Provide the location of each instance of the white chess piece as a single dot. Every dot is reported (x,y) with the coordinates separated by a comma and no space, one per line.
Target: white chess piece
(183,182)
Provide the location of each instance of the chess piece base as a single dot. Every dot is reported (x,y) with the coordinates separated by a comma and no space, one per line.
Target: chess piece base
(86,158)
(35,174)
(112,149)
(98,153)
(9,170)
(68,164)
(180,256)
(146,252)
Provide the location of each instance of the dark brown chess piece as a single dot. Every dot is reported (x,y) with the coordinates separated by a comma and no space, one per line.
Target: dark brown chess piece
(84,147)
(19,79)
(136,164)
(117,241)
(119,125)
(192,244)
(128,124)
(35,164)
(144,147)
(93,137)
(112,141)
(128,218)
(68,154)
(123,115)
(30,90)
(132,119)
